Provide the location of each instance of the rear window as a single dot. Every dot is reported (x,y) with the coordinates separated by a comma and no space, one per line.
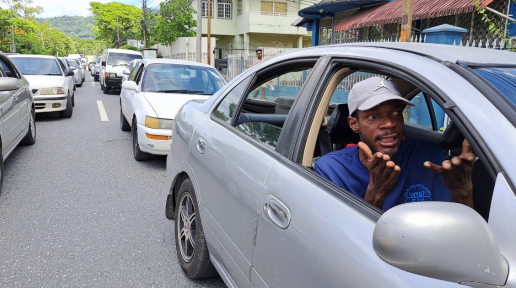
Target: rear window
(122,58)
(503,79)
(72,63)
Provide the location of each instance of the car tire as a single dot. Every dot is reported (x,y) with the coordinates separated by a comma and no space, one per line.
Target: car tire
(67,113)
(191,248)
(73,100)
(124,124)
(30,138)
(105,90)
(79,85)
(101,86)
(1,173)
(138,154)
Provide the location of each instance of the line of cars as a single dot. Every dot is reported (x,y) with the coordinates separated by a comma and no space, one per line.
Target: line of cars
(31,84)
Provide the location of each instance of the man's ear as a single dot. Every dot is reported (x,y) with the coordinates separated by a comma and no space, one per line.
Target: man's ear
(353,124)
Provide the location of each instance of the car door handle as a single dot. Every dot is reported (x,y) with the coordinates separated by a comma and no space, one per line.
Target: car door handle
(277,212)
(201,145)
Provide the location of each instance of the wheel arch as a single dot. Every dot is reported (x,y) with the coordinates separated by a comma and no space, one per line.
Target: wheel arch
(172,195)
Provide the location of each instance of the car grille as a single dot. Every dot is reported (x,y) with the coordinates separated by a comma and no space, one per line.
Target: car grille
(39,106)
(35,91)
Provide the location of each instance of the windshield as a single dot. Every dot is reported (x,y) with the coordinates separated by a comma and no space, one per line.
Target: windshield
(72,63)
(503,79)
(98,59)
(121,58)
(170,78)
(36,66)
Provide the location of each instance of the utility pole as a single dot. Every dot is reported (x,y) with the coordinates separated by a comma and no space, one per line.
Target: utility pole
(13,49)
(209,32)
(406,21)
(198,36)
(144,26)
(118,34)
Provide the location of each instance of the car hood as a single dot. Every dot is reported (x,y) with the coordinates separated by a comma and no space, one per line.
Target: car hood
(44,81)
(166,105)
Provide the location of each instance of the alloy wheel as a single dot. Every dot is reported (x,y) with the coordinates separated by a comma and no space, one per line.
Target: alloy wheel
(187,228)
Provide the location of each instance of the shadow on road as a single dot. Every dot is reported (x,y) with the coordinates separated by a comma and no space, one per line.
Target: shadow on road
(48,117)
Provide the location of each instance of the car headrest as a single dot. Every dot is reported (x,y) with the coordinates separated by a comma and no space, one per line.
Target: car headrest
(452,138)
(338,126)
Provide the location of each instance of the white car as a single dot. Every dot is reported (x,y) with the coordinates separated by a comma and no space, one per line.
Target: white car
(155,91)
(77,71)
(50,83)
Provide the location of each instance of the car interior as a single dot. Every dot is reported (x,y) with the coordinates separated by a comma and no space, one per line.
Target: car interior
(330,130)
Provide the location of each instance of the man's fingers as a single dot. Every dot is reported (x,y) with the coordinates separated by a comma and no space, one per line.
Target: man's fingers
(365,149)
(456,161)
(466,148)
(435,168)
(447,165)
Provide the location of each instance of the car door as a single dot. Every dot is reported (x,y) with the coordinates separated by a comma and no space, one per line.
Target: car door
(129,96)
(231,155)
(23,96)
(10,110)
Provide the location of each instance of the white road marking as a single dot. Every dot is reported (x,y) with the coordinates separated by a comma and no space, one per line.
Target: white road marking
(102,111)
(92,83)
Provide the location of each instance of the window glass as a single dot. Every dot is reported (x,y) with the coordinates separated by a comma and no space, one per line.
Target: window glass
(6,69)
(122,58)
(340,95)
(226,110)
(419,114)
(99,59)
(172,78)
(139,75)
(224,9)
(36,66)
(72,63)
(135,70)
(204,8)
(266,107)
(503,79)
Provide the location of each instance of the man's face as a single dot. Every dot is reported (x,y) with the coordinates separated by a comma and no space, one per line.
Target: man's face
(381,127)
(259,54)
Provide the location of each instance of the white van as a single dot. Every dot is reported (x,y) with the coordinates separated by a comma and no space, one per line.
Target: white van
(114,62)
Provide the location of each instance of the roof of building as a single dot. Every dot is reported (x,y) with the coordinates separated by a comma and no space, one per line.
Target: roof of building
(328,8)
(392,12)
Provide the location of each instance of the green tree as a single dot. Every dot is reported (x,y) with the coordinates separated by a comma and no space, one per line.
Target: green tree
(88,46)
(115,21)
(175,21)
(25,33)
(24,8)
(129,47)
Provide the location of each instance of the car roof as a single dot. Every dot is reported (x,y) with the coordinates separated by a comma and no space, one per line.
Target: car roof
(439,52)
(32,56)
(123,51)
(174,61)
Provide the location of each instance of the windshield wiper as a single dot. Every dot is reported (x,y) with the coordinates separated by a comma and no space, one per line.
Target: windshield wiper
(183,91)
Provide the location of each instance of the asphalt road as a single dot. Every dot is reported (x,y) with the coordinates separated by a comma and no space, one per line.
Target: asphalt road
(77,210)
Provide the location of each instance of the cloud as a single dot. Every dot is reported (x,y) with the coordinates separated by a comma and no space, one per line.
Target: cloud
(71,7)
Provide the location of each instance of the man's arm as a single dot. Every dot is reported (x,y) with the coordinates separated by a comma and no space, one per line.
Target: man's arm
(456,174)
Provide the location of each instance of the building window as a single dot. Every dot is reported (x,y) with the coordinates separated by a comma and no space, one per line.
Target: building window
(274,7)
(224,9)
(205,8)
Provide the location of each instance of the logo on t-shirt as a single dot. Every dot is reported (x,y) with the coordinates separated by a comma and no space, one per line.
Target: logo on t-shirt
(417,193)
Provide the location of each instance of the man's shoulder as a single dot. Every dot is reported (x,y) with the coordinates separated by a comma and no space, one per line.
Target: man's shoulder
(343,155)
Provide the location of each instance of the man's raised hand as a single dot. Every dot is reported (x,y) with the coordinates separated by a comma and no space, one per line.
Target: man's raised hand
(383,175)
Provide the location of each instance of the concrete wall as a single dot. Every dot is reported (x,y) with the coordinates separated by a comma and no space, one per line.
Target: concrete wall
(185,48)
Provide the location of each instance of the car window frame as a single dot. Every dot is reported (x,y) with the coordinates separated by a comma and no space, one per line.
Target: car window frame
(11,67)
(392,68)
(135,71)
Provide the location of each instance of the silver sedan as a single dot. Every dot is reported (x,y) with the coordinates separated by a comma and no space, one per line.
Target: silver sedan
(248,205)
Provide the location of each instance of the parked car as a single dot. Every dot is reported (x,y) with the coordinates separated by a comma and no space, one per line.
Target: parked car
(127,71)
(114,62)
(77,71)
(96,69)
(50,81)
(91,64)
(16,111)
(65,66)
(150,98)
(248,204)
(83,66)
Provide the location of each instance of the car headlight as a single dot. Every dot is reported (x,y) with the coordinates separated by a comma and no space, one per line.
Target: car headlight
(112,74)
(51,91)
(158,123)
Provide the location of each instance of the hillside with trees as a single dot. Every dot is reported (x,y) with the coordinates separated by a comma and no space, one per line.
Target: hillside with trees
(71,25)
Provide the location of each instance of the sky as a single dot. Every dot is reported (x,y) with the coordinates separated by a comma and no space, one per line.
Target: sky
(52,8)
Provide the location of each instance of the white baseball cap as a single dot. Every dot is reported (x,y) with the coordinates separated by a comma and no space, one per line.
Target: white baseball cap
(371,92)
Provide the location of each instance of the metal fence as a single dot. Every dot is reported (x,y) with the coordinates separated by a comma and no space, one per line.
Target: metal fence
(239,63)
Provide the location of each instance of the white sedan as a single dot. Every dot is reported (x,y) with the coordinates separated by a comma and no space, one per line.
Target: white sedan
(153,93)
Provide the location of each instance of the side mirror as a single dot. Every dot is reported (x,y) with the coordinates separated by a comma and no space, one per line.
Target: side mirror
(103,63)
(126,72)
(69,72)
(9,84)
(129,85)
(441,240)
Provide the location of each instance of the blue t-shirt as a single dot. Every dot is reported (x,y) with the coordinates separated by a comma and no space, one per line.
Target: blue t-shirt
(415,182)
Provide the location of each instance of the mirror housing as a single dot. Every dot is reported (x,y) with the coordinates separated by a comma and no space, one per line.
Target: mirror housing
(441,240)
(103,63)
(9,84)
(129,85)
(69,72)
(126,72)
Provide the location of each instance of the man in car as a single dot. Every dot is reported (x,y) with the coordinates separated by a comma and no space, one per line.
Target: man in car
(386,171)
